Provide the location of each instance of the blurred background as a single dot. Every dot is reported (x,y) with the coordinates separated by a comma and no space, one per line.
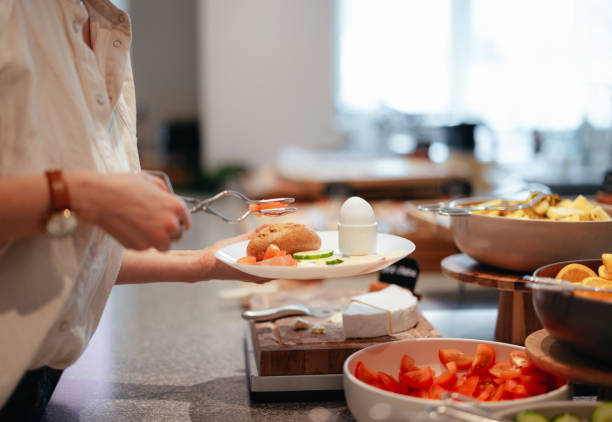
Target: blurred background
(387,99)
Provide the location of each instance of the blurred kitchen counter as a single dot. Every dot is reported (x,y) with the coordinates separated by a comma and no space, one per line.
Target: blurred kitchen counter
(313,175)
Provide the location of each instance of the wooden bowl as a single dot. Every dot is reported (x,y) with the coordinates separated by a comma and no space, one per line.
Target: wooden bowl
(368,403)
(580,322)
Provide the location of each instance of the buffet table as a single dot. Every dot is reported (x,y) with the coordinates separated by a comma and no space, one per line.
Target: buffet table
(175,351)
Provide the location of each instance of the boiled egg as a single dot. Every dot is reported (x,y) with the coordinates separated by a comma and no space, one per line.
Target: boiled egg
(357,227)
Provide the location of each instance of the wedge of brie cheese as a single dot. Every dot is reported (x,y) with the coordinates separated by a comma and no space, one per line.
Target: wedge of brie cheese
(385,312)
(362,321)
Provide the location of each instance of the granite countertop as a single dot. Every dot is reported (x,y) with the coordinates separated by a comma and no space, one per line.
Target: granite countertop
(174,351)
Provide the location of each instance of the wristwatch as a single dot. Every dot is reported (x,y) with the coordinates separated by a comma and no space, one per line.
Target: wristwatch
(61,221)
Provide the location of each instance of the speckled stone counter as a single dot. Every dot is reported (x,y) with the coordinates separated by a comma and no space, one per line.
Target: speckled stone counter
(174,351)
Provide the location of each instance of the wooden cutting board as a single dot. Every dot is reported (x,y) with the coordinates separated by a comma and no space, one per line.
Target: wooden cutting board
(281,350)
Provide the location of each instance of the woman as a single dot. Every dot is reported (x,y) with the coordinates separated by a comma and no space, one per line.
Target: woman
(76,216)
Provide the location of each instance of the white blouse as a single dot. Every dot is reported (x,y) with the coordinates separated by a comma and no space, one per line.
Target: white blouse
(64,106)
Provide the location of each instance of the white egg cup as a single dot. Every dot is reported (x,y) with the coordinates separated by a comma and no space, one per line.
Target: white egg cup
(357,239)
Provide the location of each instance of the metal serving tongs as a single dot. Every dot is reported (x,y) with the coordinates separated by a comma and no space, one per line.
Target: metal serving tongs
(450,411)
(454,209)
(255,206)
(549,283)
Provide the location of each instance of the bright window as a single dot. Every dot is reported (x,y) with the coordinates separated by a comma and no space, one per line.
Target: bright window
(517,65)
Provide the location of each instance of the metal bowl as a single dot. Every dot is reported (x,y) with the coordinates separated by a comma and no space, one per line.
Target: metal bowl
(524,245)
(580,322)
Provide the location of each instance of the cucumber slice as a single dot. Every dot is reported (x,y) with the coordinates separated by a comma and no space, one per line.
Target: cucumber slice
(565,417)
(529,416)
(603,413)
(325,253)
(334,261)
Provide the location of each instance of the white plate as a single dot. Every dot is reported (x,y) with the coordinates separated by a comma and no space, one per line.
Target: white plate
(392,248)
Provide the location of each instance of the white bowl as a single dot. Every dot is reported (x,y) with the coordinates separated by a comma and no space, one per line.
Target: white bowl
(524,245)
(369,403)
(582,409)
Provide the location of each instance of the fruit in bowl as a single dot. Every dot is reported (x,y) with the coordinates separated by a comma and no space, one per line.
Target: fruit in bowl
(583,275)
(381,383)
(579,319)
(527,243)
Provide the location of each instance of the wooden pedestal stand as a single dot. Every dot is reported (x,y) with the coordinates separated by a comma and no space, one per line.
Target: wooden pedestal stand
(552,355)
(516,317)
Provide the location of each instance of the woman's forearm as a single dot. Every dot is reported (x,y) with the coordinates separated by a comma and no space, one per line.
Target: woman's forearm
(152,266)
(181,265)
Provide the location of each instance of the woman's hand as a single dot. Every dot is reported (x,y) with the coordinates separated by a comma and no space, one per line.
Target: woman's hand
(136,209)
(212,268)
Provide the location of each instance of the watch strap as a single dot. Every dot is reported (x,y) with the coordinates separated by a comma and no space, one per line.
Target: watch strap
(58,190)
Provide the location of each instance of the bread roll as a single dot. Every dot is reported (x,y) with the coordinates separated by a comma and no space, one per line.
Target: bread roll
(289,237)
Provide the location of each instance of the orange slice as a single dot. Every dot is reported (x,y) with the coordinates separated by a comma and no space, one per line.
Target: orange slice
(603,273)
(596,282)
(575,273)
(607,261)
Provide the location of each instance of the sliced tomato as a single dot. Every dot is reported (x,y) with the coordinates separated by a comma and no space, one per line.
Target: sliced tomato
(267,205)
(484,359)
(420,378)
(378,285)
(247,260)
(518,390)
(420,393)
(463,360)
(468,387)
(448,378)
(363,373)
(486,392)
(404,388)
(519,359)
(559,381)
(534,384)
(436,391)
(406,365)
(505,370)
(499,393)
(283,260)
(272,250)
(388,382)
(528,369)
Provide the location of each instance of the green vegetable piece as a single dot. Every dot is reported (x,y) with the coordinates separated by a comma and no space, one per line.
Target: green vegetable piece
(565,417)
(530,416)
(603,413)
(313,254)
(334,261)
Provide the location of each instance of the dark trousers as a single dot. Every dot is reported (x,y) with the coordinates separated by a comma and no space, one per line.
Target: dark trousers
(31,396)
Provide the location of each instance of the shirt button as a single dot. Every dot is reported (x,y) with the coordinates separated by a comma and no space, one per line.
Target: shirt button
(101,99)
(64,326)
(76,26)
(117,43)
(121,18)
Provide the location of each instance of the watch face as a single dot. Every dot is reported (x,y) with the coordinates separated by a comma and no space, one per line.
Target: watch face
(62,224)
